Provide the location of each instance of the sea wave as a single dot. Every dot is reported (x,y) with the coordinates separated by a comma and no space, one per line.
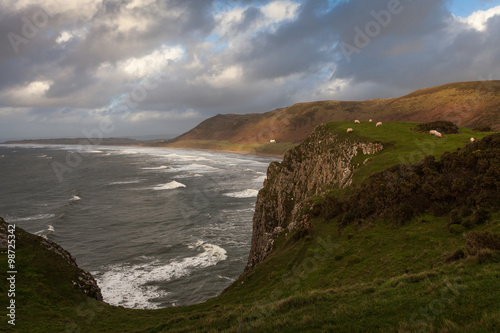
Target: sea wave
(169,186)
(75,198)
(126,182)
(260,179)
(92,151)
(31,218)
(197,168)
(163,167)
(132,286)
(249,193)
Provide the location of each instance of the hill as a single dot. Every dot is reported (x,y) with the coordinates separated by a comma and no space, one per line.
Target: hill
(79,141)
(322,260)
(469,104)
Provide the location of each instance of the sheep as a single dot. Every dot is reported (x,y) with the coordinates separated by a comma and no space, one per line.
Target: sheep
(357,122)
(349,130)
(370,121)
(436,133)
(378,124)
(472,139)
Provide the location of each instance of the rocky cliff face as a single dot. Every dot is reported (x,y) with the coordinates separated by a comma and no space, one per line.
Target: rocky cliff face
(322,161)
(84,280)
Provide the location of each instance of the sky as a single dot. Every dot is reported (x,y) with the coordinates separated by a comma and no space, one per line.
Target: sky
(92,68)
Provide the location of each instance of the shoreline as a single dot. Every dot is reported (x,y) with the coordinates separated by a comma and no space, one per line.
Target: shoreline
(240,152)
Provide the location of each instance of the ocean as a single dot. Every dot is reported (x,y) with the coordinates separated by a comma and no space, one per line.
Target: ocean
(156,227)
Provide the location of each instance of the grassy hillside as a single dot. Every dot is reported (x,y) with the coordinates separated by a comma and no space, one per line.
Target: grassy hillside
(469,104)
(371,275)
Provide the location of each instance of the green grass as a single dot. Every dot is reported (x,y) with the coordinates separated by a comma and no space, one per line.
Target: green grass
(397,281)
(364,277)
(402,144)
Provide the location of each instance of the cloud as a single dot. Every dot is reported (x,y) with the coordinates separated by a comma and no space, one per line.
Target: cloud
(27,95)
(478,20)
(79,61)
(152,63)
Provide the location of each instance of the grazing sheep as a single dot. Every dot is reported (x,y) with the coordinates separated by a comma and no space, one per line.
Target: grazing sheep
(349,130)
(370,121)
(472,139)
(357,122)
(436,133)
(378,124)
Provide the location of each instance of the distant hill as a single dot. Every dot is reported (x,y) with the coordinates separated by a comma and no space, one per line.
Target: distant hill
(469,104)
(79,141)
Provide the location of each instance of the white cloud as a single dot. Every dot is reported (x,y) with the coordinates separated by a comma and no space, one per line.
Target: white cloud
(221,77)
(138,3)
(274,13)
(152,63)
(478,20)
(31,92)
(280,10)
(66,35)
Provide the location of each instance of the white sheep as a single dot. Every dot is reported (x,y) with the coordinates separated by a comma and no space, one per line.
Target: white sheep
(370,121)
(378,124)
(349,130)
(436,133)
(357,121)
(472,139)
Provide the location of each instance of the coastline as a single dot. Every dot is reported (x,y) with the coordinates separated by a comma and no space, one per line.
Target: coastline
(249,152)
(241,152)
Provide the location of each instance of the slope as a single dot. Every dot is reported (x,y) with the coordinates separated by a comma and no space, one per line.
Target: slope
(468,104)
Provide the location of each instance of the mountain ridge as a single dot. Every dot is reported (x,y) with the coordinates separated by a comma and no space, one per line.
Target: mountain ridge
(467,104)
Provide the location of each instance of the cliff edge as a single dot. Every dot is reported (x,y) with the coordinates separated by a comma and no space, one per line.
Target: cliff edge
(324,160)
(56,256)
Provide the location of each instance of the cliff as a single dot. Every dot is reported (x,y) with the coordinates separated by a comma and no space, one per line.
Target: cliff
(56,257)
(324,160)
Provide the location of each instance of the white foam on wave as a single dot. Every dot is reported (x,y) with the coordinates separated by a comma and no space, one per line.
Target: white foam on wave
(196,168)
(75,198)
(31,218)
(169,186)
(188,175)
(126,182)
(260,179)
(131,286)
(91,151)
(163,167)
(249,193)
(181,157)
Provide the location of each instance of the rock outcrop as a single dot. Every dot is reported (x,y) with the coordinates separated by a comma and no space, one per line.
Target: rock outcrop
(322,161)
(84,280)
